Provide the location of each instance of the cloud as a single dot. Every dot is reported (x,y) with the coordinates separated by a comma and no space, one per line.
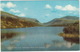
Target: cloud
(66,8)
(1,9)
(2,5)
(48,6)
(14,11)
(25,8)
(8,5)
(22,15)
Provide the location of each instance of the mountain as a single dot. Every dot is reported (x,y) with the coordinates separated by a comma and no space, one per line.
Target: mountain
(70,17)
(62,21)
(11,21)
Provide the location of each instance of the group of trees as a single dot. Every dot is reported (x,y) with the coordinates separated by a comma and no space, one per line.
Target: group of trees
(72,28)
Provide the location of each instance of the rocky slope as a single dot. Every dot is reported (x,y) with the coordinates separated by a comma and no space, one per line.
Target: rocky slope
(11,21)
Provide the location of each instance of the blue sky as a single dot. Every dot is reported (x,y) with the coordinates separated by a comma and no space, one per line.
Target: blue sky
(43,11)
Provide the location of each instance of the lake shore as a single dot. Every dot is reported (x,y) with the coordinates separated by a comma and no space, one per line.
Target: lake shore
(69,35)
(5,36)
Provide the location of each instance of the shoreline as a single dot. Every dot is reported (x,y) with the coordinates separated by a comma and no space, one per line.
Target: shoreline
(31,27)
(69,35)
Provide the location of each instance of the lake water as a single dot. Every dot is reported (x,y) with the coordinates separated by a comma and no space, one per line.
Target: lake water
(37,39)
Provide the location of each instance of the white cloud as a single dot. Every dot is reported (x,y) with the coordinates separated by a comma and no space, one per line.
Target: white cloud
(22,15)
(48,6)
(25,8)
(1,9)
(66,8)
(2,5)
(14,11)
(8,5)
(58,7)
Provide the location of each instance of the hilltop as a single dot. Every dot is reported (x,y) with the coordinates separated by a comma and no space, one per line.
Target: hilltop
(63,21)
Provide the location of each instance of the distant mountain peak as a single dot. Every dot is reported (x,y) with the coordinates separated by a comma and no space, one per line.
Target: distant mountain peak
(62,21)
(71,17)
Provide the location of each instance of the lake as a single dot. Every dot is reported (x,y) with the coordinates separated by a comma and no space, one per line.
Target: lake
(37,39)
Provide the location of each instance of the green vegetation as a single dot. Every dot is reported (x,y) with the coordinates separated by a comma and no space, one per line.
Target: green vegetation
(72,28)
(71,31)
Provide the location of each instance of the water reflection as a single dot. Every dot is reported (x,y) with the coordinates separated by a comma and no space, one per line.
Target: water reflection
(12,38)
(8,47)
(11,46)
(8,35)
(29,40)
(68,43)
(59,44)
(72,40)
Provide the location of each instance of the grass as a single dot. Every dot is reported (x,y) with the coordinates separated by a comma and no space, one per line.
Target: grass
(69,35)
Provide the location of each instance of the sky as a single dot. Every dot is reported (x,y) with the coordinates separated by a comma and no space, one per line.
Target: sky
(43,11)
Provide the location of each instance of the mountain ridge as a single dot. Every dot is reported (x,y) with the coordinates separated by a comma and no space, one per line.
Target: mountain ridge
(11,21)
(62,21)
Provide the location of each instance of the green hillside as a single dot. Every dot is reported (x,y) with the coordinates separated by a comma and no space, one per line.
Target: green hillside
(11,21)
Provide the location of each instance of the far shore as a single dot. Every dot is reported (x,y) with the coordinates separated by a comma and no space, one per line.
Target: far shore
(33,26)
(69,35)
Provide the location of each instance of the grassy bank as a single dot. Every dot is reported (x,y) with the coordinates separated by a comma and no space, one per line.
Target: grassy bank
(69,35)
